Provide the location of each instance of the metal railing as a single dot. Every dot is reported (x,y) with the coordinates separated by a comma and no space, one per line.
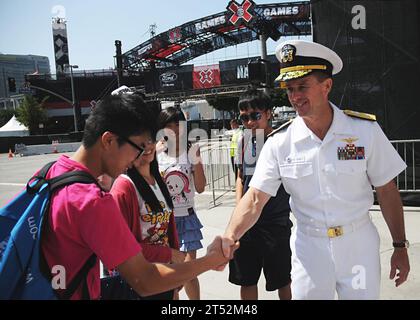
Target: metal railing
(215,154)
(408,180)
(221,179)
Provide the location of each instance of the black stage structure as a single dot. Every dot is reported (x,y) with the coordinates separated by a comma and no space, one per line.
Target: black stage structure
(381,62)
(381,69)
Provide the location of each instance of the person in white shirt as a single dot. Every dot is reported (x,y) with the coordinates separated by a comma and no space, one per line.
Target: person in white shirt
(182,170)
(327,160)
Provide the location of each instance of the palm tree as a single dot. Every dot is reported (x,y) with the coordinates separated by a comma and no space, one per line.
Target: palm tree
(31,113)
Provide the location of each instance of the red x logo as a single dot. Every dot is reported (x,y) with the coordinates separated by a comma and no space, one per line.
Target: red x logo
(240,11)
(206,76)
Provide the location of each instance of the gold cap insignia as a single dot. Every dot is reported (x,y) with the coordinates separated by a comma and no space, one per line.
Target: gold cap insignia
(287,53)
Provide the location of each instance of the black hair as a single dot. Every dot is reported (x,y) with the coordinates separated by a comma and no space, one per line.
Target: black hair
(146,192)
(125,115)
(170,115)
(254,99)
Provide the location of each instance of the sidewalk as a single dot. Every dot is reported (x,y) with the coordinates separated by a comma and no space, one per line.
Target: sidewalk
(214,285)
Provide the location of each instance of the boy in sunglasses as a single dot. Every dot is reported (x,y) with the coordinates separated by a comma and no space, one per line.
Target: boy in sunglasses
(266,245)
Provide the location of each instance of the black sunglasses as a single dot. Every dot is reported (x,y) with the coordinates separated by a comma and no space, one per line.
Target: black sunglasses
(131,143)
(254,116)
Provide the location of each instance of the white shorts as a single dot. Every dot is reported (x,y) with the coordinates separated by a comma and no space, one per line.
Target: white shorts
(348,264)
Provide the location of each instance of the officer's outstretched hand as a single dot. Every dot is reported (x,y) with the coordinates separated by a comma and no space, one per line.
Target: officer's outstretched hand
(400,263)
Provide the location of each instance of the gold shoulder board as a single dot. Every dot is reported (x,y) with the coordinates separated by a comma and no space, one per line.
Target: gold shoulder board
(282,127)
(360,115)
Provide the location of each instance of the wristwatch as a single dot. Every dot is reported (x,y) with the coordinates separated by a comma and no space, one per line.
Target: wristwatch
(402,244)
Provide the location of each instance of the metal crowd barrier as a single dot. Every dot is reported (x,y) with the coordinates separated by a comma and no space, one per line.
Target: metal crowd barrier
(215,154)
(409,180)
(221,180)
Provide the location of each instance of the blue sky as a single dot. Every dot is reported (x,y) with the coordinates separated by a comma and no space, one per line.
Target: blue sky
(94,25)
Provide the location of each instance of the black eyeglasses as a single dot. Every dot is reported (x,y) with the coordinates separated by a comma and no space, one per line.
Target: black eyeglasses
(254,116)
(131,143)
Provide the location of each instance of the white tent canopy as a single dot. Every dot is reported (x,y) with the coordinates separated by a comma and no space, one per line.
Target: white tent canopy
(13,128)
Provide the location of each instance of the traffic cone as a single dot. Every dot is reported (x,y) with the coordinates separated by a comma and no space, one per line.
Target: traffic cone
(10,153)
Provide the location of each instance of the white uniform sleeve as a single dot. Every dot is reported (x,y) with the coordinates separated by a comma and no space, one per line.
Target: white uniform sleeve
(384,162)
(266,177)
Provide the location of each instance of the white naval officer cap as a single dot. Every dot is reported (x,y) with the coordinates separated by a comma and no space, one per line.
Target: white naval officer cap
(298,58)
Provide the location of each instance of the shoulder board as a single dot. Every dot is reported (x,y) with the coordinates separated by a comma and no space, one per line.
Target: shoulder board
(360,115)
(282,127)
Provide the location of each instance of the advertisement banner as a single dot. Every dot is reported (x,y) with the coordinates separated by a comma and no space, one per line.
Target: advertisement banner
(176,79)
(206,76)
(61,49)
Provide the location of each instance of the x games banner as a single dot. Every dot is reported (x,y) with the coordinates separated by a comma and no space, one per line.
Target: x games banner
(241,22)
(206,77)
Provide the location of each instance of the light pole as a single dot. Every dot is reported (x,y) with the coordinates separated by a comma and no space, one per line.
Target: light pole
(73,99)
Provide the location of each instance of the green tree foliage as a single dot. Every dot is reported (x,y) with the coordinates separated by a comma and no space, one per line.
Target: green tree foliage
(229,104)
(31,113)
(279,98)
(5,116)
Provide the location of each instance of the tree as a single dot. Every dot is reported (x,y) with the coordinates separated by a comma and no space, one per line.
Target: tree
(279,98)
(31,113)
(229,104)
(5,116)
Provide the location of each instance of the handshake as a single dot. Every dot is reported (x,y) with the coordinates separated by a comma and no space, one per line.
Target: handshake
(220,251)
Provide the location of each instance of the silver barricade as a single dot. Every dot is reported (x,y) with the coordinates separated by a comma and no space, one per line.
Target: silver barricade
(221,179)
(409,150)
(215,154)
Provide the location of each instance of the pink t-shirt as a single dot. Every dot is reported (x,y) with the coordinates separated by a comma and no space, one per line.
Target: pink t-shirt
(83,221)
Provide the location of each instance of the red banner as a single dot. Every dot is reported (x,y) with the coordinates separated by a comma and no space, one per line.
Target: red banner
(206,76)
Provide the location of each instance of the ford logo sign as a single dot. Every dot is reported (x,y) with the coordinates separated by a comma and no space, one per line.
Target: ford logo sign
(168,77)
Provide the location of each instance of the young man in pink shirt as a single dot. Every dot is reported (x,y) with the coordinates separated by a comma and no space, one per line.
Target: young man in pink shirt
(84,220)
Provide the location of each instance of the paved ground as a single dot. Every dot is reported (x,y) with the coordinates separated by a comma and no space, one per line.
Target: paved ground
(214,285)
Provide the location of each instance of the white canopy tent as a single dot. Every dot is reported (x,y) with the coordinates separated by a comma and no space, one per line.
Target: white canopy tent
(13,128)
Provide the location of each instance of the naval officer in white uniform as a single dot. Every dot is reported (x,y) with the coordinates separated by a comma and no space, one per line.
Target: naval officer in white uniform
(328,160)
